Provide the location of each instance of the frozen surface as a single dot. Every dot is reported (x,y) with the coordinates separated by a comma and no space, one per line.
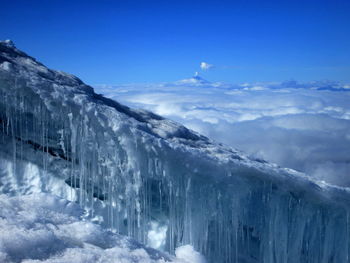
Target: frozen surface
(156,181)
(45,228)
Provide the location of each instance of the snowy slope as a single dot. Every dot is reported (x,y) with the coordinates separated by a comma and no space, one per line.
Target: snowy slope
(155,180)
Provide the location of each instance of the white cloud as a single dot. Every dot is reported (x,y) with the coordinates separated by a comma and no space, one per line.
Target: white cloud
(300,126)
(206,66)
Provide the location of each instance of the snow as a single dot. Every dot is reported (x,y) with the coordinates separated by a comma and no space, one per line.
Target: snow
(141,175)
(44,228)
(8,43)
(5,66)
(189,255)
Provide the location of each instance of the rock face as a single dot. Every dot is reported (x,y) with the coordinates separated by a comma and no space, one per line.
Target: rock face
(155,180)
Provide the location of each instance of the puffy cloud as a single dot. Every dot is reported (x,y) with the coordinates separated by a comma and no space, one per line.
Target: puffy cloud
(304,126)
(206,66)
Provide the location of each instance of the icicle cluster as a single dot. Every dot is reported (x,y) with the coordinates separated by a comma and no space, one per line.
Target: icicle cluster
(130,170)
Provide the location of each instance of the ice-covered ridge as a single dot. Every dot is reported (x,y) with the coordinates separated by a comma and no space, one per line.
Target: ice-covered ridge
(131,168)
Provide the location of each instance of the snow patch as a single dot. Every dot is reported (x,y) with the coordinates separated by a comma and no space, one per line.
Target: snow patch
(189,255)
(5,65)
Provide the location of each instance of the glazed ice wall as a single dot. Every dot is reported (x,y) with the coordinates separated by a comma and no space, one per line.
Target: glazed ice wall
(130,169)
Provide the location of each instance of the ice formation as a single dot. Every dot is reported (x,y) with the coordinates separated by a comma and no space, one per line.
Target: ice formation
(156,181)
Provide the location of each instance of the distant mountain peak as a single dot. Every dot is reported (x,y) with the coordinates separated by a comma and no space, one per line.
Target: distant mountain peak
(196,80)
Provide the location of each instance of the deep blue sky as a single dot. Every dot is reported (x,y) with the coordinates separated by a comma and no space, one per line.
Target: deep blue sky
(150,41)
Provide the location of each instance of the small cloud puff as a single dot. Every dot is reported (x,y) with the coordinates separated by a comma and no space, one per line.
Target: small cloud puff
(206,66)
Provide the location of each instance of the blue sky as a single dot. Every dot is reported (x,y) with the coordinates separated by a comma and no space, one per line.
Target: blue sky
(152,41)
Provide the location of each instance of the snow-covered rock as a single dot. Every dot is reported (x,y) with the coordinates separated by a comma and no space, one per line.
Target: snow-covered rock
(142,175)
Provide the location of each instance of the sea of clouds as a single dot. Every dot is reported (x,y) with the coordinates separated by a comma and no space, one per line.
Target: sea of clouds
(304,126)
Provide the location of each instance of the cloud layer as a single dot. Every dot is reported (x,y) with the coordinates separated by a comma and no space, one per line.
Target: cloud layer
(301,126)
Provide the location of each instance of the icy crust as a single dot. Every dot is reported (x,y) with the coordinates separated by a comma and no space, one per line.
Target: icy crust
(132,170)
(45,228)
